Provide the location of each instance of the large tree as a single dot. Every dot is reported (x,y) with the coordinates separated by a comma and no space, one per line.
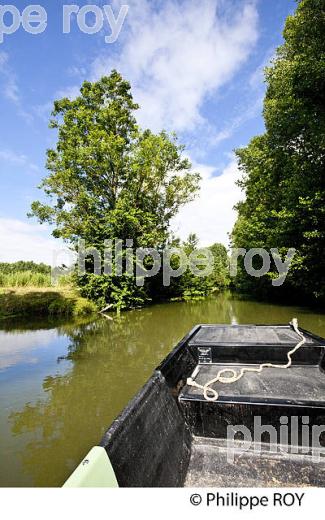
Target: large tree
(284,169)
(108,179)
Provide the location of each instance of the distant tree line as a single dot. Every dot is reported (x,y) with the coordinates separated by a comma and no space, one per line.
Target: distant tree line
(22,265)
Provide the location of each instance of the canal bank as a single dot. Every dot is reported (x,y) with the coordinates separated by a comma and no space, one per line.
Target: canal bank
(43,301)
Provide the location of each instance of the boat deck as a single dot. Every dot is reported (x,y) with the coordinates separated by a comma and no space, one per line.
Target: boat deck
(298,383)
(266,429)
(211,465)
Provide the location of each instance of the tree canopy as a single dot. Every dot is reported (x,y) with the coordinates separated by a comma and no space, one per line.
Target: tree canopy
(283,169)
(109,179)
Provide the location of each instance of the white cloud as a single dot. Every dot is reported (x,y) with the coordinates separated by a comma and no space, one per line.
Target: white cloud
(21,240)
(176,54)
(69,92)
(211,216)
(19,348)
(18,159)
(230,128)
(257,88)
(9,86)
(257,79)
(44,111)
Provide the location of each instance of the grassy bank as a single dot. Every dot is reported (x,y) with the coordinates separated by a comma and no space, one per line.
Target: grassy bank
(26,290)
(43,301)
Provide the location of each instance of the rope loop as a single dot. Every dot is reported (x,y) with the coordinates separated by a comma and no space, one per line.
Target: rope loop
(212,395)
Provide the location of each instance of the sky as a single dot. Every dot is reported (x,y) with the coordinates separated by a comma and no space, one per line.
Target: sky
(195,67)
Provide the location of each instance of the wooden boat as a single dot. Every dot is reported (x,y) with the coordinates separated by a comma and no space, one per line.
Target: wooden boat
(176,432)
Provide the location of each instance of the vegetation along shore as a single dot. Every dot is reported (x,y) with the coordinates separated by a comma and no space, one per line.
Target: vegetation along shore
(25,289)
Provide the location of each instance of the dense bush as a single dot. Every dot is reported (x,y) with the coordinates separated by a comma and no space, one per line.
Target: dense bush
(122,292)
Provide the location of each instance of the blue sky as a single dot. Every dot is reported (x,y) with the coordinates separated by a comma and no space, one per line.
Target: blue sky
(195,67)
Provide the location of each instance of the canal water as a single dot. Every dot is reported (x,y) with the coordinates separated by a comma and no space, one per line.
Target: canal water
(62,383)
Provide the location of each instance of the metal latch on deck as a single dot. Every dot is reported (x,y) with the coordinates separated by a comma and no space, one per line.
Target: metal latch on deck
(205,355)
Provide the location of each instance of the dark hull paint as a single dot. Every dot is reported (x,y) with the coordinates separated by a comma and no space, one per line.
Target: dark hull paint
(169,435)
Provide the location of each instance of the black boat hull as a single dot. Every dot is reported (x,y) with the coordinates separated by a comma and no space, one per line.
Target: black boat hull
(170,435)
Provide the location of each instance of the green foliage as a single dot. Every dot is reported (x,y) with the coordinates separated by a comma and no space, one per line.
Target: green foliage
(190,286)
(83,307)
(27,291)
(122,292)
(109,179)
(119,292)
(18,267)
(43,302)
(283,169)
(69,305)
(24,279)
(193,287)
(65,280)
(24,274)
(220,278)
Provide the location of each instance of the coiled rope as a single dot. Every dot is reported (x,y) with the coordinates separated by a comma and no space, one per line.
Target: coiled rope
(212,395)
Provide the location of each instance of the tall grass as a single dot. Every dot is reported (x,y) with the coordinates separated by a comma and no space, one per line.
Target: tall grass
(33,294)
(24,279)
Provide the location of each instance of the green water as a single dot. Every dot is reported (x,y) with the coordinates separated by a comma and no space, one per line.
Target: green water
(61,384)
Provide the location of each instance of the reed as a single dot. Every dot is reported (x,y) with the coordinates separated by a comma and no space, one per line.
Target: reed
(25,279)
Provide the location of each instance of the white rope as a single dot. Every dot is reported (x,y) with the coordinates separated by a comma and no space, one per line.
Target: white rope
(212,395)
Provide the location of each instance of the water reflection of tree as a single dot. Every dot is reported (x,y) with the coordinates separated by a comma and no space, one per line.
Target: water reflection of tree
(110,361)
(30,323)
